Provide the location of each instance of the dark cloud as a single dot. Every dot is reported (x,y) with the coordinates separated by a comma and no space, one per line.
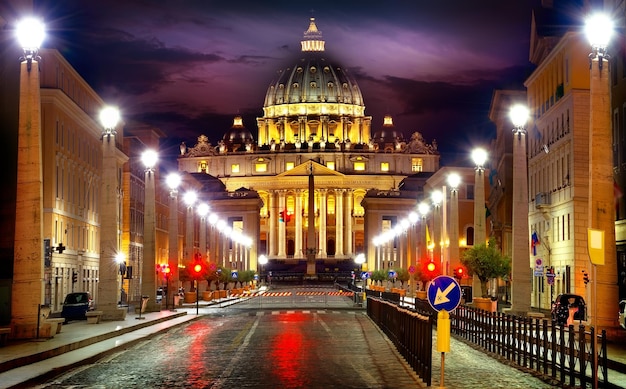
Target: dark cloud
(189,66)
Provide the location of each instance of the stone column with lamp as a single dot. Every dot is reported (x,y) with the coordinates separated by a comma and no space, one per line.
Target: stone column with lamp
(479,156)
(109,292)
(148,267)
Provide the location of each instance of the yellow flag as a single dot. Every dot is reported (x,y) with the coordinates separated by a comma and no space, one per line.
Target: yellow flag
(427,235)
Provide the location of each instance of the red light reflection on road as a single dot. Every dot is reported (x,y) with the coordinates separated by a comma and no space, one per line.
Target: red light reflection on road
(290,354)
(195,364)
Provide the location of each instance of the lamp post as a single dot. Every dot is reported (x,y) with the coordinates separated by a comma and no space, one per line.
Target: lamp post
(148,275)
(262,263)
(203,211)
(28,264)
(454,180)
(120,259)
(479,156)
(173,182)
(189,198)
(111,194)
(602,252)
(423,210)
(437,197)
(520,269)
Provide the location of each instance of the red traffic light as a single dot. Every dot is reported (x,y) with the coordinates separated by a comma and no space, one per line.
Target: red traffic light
(459,272)
(197,268)
(431,267)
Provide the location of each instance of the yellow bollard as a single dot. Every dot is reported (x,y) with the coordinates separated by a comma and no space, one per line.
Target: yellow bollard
(443,331)
(443,340)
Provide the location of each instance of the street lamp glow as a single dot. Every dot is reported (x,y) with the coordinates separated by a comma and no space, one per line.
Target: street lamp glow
(437,197)
(120,258)
(423,209)
(173,181)
(413,217)
(203,209)
(479,156)
(149,159)
(30,33)
(519,116)
(262,259)
(213,218)
(454,180)
(109,117)
(599,29)
(360,259)
(190,198)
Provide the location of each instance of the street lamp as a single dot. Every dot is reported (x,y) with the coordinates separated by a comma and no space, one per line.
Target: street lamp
(520,272)
(423,210)
(437,197)
(479,156)
(28,290)
(262,263)
(189,198)
(454,180)
(120,259)
(173,182)
(601,217)
(148,284)
(109,292)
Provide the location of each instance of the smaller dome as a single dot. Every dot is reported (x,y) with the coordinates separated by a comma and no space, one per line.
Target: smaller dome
(388,133)
(238,134)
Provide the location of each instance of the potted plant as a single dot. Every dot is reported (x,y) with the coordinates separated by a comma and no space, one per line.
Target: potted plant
(486,262)
(424,275)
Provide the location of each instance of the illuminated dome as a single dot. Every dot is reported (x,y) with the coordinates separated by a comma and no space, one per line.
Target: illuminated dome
(388,133)
(238,133)
(315,99)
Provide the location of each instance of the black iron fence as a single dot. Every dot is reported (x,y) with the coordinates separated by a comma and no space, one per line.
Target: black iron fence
(411,332)
(572,356)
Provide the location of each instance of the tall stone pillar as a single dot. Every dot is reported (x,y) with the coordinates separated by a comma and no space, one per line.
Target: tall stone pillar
(173,246)
(28,261)
(109,284)
(282,226)
(348,223)
(273,220)
(339,212)
(298,231)
(148,268)
(605,292)
(322,221)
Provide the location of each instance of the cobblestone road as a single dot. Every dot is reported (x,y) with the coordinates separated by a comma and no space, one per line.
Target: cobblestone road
(283,349)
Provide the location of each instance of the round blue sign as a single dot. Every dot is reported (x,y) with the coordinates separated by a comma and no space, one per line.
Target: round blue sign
(444,293)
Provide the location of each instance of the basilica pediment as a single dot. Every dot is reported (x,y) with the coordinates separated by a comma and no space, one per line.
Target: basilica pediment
(304,169)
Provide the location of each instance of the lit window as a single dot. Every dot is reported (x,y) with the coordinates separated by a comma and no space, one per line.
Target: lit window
(234,168)
(417,164)
(330,165)
(289,165)
(384,166)
(260,167)
(202,166)
(359,166)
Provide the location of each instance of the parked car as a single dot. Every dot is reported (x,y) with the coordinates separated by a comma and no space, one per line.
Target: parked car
(620,317)
(568,308)
(76,305)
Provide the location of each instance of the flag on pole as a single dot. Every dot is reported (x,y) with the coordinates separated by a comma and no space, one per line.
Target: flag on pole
(534,242)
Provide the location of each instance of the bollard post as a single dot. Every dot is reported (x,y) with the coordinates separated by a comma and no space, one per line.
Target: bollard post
(443,340)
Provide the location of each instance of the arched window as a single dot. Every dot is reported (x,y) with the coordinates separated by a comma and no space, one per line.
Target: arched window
(469,236)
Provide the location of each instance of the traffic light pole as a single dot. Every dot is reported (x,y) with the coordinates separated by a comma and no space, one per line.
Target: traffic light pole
(197,298)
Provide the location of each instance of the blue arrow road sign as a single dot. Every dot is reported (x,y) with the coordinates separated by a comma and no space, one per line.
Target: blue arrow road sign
(444,293)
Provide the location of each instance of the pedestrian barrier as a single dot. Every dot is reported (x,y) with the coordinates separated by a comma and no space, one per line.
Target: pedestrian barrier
(573,357)
(410,331)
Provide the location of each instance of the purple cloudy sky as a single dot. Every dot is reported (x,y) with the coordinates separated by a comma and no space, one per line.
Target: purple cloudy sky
(189,66)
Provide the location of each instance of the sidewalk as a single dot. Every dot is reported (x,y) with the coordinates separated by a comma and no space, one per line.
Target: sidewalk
(21,361)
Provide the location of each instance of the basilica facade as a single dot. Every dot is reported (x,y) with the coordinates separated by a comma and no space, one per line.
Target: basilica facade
(316,158)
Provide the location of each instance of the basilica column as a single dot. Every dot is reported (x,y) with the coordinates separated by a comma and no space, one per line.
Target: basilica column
(298,237)
(273,218)
(339,222)
(348,221)
(322,224)
(282,225)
